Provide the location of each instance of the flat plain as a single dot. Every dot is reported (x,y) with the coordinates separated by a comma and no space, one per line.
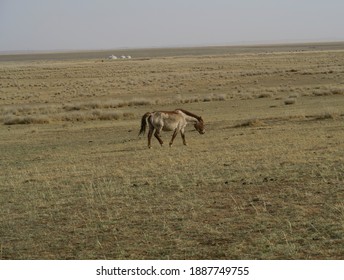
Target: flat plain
(266,180)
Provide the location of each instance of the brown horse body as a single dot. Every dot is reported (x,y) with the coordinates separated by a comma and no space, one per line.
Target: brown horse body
(175,121)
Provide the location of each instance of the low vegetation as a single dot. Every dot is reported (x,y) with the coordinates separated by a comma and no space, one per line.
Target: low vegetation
(264,182)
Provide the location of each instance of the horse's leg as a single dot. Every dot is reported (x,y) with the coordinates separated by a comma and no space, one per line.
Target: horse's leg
(150,133)
(173,136)
(183,137)
(157,136)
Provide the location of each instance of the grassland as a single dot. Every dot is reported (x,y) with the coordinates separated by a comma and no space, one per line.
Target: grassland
(266,181)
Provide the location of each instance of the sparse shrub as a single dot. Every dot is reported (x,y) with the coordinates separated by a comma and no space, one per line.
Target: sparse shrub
(207,99)
(191,99)
(290,101)
(246,95)
(72,117)
(294,95)
(219,97)
(325,91)
(251,123)
(264,95)
(12,120)
(321,92)
(327,115)
(140,102)
(337,91)
(109,116)
(72,107)
(128,115)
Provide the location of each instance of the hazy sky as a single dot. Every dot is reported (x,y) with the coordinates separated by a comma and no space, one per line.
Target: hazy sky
(106,24)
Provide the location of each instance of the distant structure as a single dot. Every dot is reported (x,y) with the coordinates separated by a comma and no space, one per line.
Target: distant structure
(121,57)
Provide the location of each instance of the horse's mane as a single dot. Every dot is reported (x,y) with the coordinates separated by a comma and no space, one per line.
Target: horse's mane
(189,114)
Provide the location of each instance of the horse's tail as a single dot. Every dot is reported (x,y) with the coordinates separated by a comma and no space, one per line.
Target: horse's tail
(144,123)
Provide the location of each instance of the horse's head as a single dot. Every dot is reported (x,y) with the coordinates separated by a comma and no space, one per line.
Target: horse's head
(199,125)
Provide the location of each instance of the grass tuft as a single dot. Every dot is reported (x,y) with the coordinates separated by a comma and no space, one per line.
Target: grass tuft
(251,123)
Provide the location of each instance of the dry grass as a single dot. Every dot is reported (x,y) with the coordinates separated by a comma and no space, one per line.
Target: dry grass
(88,110)
(251,123)
(264,182)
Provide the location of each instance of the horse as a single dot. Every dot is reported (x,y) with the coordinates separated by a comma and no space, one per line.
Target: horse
(175,121)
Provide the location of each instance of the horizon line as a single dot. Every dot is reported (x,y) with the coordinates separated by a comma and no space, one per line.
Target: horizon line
(232,44)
